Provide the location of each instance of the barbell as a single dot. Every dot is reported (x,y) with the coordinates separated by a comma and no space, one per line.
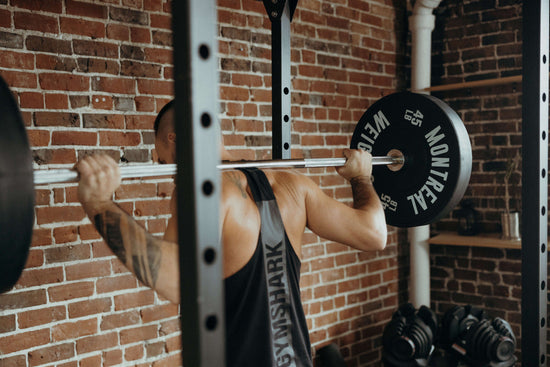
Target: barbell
(421,151)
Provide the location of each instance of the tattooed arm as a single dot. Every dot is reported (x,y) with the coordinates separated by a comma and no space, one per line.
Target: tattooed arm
(153,261)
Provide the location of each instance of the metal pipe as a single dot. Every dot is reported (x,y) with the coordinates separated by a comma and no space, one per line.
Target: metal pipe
(51,176)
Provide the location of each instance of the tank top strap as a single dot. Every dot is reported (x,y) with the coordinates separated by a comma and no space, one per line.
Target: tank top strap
(259,184)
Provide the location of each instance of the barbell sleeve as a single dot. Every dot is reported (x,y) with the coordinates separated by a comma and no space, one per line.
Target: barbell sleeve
(52,176)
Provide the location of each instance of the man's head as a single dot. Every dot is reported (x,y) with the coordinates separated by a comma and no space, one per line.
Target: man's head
(165,134)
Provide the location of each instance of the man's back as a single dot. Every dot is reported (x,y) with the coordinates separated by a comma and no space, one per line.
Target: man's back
(241,219)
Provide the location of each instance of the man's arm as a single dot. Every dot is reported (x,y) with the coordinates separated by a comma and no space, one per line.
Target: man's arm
(363,226)
(153,261)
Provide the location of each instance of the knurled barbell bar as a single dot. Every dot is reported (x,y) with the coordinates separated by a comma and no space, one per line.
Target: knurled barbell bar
(52,176)
(422,166)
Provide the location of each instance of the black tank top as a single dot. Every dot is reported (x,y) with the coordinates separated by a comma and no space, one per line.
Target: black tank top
(265,321)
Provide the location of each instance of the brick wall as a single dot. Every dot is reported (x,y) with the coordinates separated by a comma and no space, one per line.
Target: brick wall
(91,75)
(476,40)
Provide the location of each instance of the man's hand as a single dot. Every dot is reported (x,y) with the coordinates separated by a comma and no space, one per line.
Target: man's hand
(359,163)
(99,178)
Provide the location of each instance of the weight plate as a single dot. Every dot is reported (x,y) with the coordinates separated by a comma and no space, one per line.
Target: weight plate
(437,151)
(16,191)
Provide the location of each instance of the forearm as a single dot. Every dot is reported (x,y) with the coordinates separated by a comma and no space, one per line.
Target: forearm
(153,261)
(364,195)
(366,199)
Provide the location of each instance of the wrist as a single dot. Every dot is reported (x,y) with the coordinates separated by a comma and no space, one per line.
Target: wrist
(92,208)
(361,179)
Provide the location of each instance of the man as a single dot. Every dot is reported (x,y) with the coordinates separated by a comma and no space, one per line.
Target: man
(263,216)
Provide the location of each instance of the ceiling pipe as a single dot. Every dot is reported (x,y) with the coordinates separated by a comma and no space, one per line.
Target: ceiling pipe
(421,25)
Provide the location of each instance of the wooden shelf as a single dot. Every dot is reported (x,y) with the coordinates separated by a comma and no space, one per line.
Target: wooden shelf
(481,240)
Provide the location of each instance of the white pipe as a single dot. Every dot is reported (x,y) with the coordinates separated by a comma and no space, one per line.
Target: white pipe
(421,25)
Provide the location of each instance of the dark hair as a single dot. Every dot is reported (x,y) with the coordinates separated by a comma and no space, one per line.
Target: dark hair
(161,113)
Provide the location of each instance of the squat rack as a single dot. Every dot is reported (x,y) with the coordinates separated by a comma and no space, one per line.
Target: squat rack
(194,24)
(195,54)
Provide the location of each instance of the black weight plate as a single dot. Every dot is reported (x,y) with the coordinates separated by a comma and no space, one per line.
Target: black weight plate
(437,150)
(16,191)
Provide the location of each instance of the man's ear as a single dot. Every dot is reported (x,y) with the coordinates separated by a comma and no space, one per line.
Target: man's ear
(172,137)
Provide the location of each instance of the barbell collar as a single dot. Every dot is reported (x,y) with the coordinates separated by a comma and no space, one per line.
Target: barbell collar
(53,176)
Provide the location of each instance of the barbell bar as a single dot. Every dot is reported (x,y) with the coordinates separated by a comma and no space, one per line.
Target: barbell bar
(421,151)
(52,176)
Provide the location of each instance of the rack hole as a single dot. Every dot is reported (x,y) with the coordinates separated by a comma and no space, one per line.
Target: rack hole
(542,248)
(544,59)
(286,146)
(286,90)
(206,121)
(209,255)
(204,51)
(544,135)
(211,322)
(542,285)
(286,118)
(542,322)
(207,188)
(543,210)
(544,97)
(543,173)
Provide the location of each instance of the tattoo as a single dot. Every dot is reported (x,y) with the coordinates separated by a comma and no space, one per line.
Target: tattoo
(136,248)
(237,181)
(108,225)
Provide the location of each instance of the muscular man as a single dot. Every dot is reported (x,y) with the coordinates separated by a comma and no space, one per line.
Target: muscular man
(263,218)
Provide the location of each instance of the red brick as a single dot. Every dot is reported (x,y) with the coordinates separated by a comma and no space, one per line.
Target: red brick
(112,284)
(90,269)
(95,48)
(59,214)
(86,9)
(74,138)
(41,316)
(96,343)
(132,300)
(70,291)
(38,138)
(89,307)
(118,32)
(56,101)
(133,353)
(35,22)
(74,330)
(134,335)
(18,79)
(140,122)
(82,27)
(64,82)
(161,21)
(22,341)
(92,361)
(114,85)
(112,357)
(151,208)
(5,18)
(105,121)
(145,104)
(119,319)
(160,312)
(34,277)
(155,87)
(17,60)
(114,138)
